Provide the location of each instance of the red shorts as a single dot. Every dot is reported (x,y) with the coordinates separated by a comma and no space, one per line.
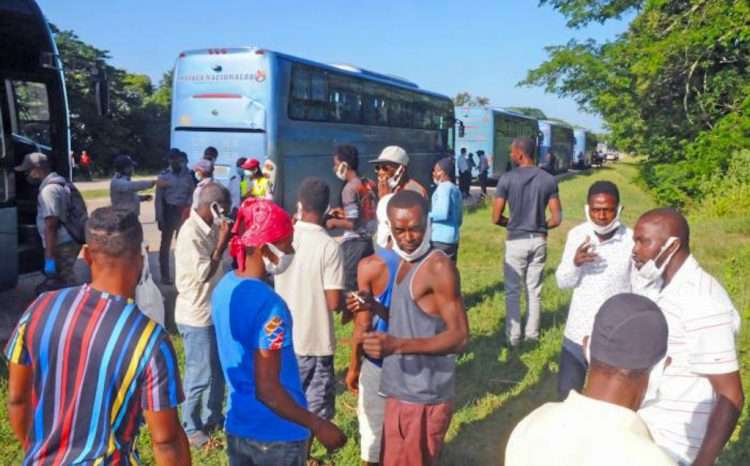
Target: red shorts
(413,433)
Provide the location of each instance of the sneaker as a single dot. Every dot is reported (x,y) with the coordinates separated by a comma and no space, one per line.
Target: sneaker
(198,439)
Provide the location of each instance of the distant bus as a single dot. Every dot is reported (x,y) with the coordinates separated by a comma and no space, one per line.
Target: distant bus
(33,117)
(585,146)
(492,130)
(251,102)
(556,148)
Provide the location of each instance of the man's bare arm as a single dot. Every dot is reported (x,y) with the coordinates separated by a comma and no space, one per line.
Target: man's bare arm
(19,399)
(51,224)
(498,207)
(555,209)
(334,300)
(170,443)
(729,401)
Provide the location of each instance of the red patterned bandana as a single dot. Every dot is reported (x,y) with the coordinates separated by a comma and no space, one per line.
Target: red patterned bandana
(259,222)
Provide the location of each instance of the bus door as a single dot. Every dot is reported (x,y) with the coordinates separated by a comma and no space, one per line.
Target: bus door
(8,213)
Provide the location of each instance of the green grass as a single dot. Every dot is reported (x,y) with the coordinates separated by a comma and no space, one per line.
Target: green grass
(496,389)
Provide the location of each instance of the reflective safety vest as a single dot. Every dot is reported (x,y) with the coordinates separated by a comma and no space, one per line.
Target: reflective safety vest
(244,187)
(261,188)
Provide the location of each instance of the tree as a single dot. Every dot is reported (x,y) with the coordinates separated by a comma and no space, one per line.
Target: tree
(663,86)
(466,99)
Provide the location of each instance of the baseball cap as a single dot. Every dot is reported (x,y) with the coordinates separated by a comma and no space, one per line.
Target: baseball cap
(251,164)
(123,161)
(630,332)
(204,166)
(32,160)
(393,154)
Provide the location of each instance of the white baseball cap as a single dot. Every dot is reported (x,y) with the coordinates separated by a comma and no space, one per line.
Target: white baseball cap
(393,154)
(32,160)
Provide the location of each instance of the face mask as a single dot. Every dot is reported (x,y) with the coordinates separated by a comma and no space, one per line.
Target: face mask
(649,271)
(606,229)
(418,253)
(251,173)
(176,166)
(396,178)
(340,171)
(284,260)
(199,176)
(655,379)
(240,171)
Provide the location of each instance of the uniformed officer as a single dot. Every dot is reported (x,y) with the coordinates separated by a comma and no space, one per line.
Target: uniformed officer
(123,192)
(173,199)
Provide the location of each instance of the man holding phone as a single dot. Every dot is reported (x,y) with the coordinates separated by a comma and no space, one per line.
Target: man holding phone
(391,168)
(198,259)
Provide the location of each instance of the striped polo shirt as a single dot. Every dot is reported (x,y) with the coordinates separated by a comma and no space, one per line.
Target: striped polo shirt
(97,363)
(703,325)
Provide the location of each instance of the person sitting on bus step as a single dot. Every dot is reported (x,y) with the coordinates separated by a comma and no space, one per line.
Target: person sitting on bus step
(60,249)
(238,184)
(356,216)
(204,174)
(211,154)
(391,169)
(123,192)
(258,186)
(172,205)
(446,215)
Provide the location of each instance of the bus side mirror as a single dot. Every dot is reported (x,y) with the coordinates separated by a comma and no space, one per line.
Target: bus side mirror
(101,91)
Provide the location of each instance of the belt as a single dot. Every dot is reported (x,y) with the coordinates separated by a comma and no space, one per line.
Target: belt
(525,235)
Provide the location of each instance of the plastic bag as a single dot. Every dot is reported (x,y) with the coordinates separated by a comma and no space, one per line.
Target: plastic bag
(148,297)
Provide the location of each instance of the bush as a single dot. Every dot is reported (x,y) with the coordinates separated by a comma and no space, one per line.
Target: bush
(729,194)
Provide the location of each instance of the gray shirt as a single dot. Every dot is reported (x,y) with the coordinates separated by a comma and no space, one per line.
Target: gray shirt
(124,193)
(416,378)
(53,201)
(527,191)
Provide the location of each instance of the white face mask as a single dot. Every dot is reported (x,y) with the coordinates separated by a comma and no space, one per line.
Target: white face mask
(606,229)
(655,378)
(251,173)
(283,262)
(341,170)
(650,272)
(199,176)
(421,250)
(396,178)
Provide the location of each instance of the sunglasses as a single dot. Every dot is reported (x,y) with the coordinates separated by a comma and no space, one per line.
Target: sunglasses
(379,168)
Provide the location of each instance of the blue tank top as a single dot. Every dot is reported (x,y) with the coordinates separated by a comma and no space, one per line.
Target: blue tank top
(379,324)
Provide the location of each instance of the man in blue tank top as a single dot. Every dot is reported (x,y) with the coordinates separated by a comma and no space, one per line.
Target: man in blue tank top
(427,326)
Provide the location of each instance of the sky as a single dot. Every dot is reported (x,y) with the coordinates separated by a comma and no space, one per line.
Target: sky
(482,47)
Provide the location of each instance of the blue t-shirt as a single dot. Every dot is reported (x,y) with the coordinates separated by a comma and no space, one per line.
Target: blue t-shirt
(248,315)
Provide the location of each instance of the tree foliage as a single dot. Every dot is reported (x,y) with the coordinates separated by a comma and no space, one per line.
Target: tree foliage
(465,99)
(138,123)
(674,86)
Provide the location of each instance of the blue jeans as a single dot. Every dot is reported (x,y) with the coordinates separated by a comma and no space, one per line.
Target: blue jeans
(246,452)
(203,380)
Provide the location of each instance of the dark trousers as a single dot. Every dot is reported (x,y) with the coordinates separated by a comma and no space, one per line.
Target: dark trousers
(573,369)
(483,182)
(464,182)
(173,219)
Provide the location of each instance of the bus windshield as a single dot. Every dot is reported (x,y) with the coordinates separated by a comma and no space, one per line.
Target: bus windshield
(31,117)
(220,91)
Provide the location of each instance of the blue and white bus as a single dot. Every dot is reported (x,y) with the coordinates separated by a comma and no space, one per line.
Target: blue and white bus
(556,147)
(492,130)
(251,102)
(585,146)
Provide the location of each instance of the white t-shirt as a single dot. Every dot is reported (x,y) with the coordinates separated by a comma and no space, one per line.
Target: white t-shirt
(703,325)
(582,431)
(594,282)
(317,266)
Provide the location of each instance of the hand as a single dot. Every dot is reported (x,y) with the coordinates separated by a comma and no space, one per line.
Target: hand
(378,345)
(50,267)
(585,253)
(336,212)
(352,380)
(330,224)
(225,233)
(359,301)
(329,435)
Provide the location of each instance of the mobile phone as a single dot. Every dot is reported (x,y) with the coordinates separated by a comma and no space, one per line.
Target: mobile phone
(359,298)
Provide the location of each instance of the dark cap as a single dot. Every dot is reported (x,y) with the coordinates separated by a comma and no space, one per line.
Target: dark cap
(123,162)
(630,332)
(174,153)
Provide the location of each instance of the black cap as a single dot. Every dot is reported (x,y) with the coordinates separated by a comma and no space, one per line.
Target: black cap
(123,162)
(630,332)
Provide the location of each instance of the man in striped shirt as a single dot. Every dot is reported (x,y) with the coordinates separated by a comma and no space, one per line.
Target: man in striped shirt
(694,409)
(86,365)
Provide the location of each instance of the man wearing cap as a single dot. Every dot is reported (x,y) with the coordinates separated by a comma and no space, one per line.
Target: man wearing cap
(238,184)
(258,186)
(446,215)
(695,409)
(204,174)
(391,170)
(601,426)
(199,252)
(53,202)
(267,420)
(529,192)
(211,154)
(172,204)
(596,265)
(123,192)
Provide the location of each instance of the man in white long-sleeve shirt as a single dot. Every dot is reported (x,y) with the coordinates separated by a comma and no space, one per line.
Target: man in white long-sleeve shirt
(597,264)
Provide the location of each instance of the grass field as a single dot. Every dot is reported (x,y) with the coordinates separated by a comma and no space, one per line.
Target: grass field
(496,389)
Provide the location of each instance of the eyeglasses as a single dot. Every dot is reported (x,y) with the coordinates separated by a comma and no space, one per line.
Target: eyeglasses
(379,168)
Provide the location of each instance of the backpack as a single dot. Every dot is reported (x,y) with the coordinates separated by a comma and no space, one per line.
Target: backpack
(78,214)
(368,200)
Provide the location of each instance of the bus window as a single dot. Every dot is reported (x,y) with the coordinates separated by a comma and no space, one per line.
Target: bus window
(309,96)
(345,96)
(375,108)
(31,106)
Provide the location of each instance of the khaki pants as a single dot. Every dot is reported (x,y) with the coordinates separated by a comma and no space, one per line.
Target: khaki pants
(524,265)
